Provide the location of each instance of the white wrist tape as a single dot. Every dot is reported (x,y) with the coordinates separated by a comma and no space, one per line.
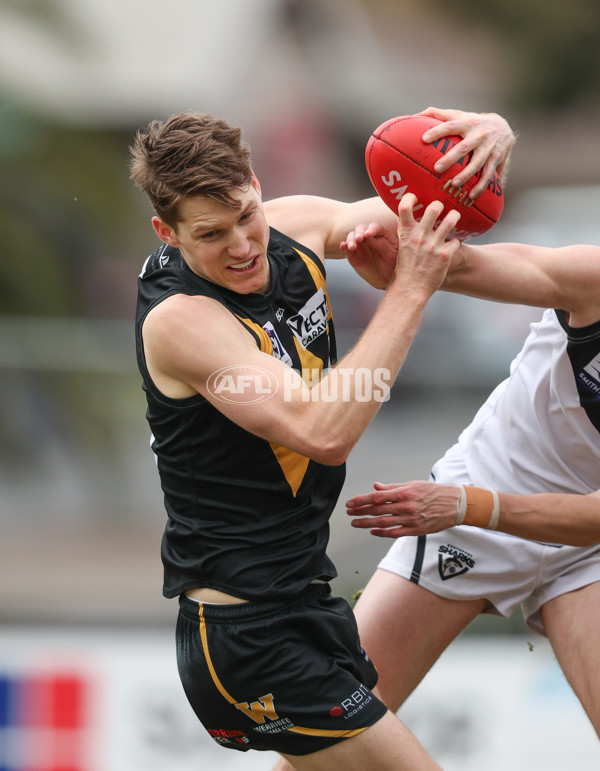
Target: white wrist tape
(461,505)
(493,523)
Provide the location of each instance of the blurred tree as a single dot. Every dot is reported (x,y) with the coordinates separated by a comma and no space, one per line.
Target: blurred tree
(66,207)
(552,53)
(68,199)
(52,17)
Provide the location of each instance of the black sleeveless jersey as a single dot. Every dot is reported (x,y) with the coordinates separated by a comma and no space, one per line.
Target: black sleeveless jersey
(245,516)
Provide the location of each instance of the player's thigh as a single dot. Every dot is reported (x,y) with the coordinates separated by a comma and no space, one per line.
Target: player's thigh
(386,746)
(404,628)
(572,623)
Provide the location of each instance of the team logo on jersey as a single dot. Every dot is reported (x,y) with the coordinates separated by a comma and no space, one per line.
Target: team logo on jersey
(164,259)
(590,376)
(453,562)
(279,351)
(279,314)
(311,321)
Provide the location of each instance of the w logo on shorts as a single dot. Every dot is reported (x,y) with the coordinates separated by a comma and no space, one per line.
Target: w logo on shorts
(259,709)
(453,562)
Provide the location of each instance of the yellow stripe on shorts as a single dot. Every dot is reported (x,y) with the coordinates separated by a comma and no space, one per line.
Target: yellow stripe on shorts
(213,674)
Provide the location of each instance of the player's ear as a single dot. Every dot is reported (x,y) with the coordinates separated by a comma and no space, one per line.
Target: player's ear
(165,232)
(255,183)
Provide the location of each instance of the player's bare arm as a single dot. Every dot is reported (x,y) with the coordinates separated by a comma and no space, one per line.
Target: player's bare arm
(419,507)
(187,339)
(565,277)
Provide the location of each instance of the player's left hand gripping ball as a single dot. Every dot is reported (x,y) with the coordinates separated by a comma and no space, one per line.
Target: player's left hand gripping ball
(399,162)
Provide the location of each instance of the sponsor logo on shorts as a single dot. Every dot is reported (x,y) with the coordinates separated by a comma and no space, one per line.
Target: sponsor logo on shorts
(453,562)
(351,706)
(228,736)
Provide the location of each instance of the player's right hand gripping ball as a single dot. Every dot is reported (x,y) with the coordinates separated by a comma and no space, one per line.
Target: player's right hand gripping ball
(398,162)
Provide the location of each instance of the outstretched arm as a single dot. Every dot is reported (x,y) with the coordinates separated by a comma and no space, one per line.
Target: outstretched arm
(417,508)
(566,277)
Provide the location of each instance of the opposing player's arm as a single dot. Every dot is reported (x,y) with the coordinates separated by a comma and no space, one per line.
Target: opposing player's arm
(553,517)
(566,277)
(417,508)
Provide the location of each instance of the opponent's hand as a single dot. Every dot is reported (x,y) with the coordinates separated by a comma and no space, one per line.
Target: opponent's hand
(412,508)
(487,135)
(372,251)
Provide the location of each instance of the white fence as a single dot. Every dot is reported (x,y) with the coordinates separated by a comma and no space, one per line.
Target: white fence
(111,701)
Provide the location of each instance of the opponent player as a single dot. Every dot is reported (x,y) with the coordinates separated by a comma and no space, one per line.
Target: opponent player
(419,508)
(231,309)
(536,444)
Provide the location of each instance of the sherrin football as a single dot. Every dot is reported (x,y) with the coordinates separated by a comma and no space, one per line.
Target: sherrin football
(399,162)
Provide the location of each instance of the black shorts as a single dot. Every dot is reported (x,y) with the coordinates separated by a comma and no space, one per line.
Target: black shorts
(285,676)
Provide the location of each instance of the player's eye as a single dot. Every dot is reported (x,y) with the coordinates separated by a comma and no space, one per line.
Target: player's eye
(210,235)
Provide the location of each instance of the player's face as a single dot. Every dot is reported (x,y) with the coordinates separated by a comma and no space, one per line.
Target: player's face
(225,245)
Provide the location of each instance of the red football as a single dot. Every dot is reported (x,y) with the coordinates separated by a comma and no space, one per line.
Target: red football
(398,162)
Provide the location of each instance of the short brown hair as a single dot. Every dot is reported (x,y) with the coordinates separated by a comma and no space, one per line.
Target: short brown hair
(189,154)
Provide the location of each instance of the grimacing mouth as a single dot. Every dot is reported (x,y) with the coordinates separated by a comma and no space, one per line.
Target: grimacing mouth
(241,266)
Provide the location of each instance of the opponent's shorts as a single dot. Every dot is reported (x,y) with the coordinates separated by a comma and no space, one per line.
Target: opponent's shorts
(285,676)
(468,563)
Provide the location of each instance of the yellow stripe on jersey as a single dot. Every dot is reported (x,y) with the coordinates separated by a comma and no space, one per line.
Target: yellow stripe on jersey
(292,464)
(317,277)
(211,669)
(339,734)
(312,366)
(266,346)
